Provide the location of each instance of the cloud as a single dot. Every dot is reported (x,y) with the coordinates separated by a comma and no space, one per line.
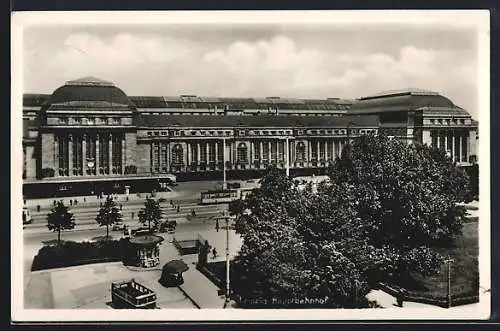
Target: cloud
(157,64)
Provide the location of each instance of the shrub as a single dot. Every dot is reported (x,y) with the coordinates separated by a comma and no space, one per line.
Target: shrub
(70,253)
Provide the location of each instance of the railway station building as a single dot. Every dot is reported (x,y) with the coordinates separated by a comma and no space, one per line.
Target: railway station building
(88,136)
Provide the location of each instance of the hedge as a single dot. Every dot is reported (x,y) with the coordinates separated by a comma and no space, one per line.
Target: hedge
(70,253)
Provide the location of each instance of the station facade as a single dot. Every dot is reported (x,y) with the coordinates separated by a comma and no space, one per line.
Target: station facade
(90,136)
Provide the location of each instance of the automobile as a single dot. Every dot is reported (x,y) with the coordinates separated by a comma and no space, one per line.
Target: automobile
(27,219)
(141,231)
(118,226)
(162,200)
(168,226)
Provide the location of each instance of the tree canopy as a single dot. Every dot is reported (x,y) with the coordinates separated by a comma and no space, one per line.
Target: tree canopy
(59,219)
(385,208)
(151,213)
(109,214)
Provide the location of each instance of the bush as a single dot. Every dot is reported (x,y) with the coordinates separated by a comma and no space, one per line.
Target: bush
(70,253)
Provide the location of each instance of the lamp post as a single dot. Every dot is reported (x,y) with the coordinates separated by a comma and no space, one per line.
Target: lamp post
(228,284)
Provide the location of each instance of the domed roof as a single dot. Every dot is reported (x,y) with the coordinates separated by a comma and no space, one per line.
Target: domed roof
(90,92)
(401,100)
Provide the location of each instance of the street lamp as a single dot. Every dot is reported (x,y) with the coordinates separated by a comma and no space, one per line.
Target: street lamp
(228,285)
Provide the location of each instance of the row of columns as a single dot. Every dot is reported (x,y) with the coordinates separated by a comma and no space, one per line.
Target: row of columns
(440,138)
(68,159)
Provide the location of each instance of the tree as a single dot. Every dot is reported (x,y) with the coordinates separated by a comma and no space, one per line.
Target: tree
(151,213)
(406,202)
(283,256)
(108,215)
(59,219)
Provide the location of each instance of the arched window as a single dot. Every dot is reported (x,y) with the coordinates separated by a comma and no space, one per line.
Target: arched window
(301,151)
(177,154)
(242,153)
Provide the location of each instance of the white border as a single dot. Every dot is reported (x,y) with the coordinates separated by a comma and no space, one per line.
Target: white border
(477,19)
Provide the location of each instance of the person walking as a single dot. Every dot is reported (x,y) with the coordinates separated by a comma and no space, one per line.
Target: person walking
(214,253)
(178,208)
(217,225)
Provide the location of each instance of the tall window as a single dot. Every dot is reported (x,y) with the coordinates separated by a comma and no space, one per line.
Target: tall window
(322,150)
(203,153)
(220,152)
(281,150)
(434,138)
(274,151)
(177,154)
(301,151)
(314,150)
(194,152)
(242,153)
(211,152)
(256,150)
(265,151)
(464,148)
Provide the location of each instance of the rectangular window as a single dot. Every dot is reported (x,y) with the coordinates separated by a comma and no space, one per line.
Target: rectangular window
(314,150)
(256,151)
(203,153)
(265,151)
(281,150)
(434,138)
(211,152)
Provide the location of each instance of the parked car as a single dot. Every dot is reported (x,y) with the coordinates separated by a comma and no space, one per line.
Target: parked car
(118,226)
(168,226)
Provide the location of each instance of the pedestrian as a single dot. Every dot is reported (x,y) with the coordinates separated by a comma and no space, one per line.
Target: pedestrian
(178,208)
(37,207)
(126,198)
(132,215)
(24,201)
(76,202)
(54,203)
(84,199)
(193,213)
(217,225)
(120,206)
(214,253)
(70,202)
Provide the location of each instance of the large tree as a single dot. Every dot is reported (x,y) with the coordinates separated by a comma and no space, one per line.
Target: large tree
(108,215)
(406,199)
(282,256)
(387,206)
(151,213)
(59,219)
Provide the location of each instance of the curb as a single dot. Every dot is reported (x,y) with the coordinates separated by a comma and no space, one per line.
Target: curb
(189,297)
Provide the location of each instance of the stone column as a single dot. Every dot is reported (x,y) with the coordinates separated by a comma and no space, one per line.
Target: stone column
(269,151)
(446,141)
(453,146)
(287,158)
(84,154)
(198,153)
(438,138)
(123,156)
(110,154)
(460,147)
(340,147)
(70,155)
(216,152)
(251,153)
(317,151)
(326,150)
(56,155)
(97,155)
(190,153)
(261,148)
(309,151)
(207,153)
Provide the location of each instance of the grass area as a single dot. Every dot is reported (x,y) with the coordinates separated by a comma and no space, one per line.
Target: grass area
(464,269)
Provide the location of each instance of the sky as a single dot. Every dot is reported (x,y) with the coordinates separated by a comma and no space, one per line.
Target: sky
(256,60)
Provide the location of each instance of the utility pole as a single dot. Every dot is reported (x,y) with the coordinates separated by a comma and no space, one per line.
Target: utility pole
(228,284)
(449,261)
